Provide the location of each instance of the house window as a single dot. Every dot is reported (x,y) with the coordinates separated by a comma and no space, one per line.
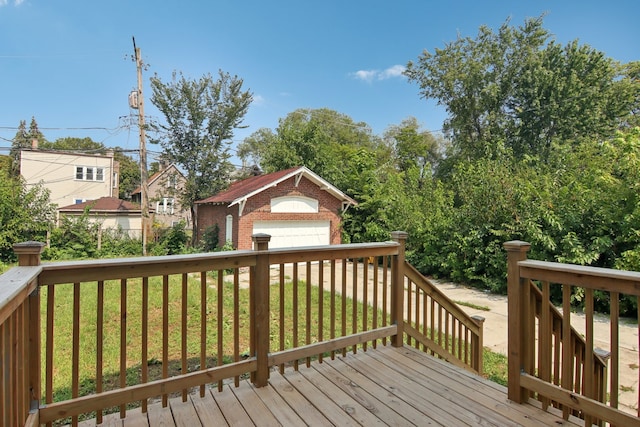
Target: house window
(88,173)
(172,181)
(228,232)
(165,206)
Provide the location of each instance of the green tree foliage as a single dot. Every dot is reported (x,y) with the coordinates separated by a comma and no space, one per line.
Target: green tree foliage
(25,214)
(200,116)
(323,140)
(85,145)
(518,90)
(24,139)
(129,178)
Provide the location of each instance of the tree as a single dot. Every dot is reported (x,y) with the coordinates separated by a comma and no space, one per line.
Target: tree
(415,150)
(323,140)
(25,214)
(24,139)
(75,144)
(201,116)
(517,91)
(129,178)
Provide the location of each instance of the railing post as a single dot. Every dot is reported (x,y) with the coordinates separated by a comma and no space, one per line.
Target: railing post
(29,255)
(259,294)
(517,317)
(477,345)
(397,288)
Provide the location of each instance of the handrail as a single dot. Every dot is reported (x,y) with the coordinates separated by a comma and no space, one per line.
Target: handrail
(456,352)
(569,372)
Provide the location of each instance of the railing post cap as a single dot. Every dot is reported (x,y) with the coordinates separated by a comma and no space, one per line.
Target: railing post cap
(399,235)
(517,246)
(261,237)
(30,247)
(478,319)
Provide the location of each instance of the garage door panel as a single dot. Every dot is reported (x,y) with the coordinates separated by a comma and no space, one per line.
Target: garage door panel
(286,234)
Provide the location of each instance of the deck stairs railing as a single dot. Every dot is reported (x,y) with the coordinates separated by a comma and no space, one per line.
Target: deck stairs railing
(553,357)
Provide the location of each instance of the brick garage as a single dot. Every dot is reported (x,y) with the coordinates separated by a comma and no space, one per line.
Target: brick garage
(295,206)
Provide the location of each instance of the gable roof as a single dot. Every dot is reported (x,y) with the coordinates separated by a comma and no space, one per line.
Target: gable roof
(240,191)
(157,175)
(103,205)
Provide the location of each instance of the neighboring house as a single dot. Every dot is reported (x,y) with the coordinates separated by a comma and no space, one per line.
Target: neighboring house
(295,207)
(70,177)
(165,188)
(109,212)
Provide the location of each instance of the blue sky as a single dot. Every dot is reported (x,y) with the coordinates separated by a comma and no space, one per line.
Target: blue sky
(67,62)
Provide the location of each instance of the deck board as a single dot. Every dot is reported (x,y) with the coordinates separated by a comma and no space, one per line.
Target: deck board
(383,386)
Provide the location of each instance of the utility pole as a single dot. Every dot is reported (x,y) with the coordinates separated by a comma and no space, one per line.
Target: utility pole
(144,186)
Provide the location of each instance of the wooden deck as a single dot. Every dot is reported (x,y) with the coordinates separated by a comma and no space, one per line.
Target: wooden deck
(383,386)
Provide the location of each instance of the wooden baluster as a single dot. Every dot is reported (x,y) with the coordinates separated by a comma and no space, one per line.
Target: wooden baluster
(544,340)
(385,293)
(354,301)
(295,311)
(376,287)
(614,332)
(320,304)
(183,333)
(165,333)
(567,345)
(145,336)
(343,316)
(332,315)
(203,326)
(365,294)
(308,310)
(99,342)
(220,322)
(75,348)
(282,317)
(123,341)
(236,321)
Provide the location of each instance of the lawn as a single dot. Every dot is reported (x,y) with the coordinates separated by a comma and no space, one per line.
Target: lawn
(294,330)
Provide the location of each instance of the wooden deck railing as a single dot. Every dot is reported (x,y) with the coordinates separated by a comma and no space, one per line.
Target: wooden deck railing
(559,366)
(160,326)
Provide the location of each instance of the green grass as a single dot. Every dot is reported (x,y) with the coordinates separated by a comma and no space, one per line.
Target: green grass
(63,321)
(494,365)
(472,305)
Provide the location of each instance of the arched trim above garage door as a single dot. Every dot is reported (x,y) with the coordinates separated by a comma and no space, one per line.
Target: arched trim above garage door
(294,204)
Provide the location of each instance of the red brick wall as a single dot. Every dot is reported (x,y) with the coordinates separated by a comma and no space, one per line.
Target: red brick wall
(258,208)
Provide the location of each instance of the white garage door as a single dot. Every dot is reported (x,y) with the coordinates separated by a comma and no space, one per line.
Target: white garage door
(289,234)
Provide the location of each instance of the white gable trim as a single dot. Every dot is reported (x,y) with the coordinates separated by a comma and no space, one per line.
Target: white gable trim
(299,173)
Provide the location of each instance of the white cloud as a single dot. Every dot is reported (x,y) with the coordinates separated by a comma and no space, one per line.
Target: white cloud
(395,71)
(258,100)
(371,75)
(15,2)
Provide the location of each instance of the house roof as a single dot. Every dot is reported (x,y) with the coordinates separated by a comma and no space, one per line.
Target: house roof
(103,204)
(240,191)
(157,175)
